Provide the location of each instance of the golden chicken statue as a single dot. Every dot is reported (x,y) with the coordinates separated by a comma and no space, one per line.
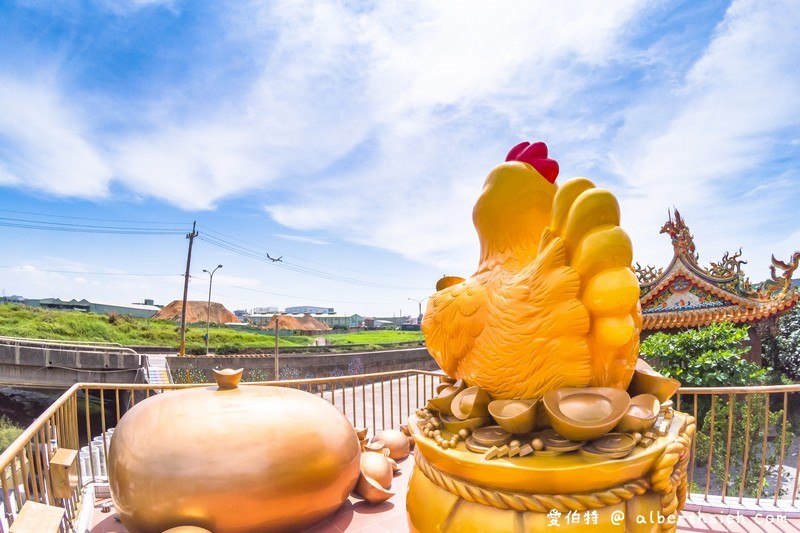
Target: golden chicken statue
(554,302)
(545,411)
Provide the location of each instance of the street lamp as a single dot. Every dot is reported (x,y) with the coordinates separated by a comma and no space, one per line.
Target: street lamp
(419,317)
(208,310)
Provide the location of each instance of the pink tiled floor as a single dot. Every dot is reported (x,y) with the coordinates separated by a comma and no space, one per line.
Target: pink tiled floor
(356,515)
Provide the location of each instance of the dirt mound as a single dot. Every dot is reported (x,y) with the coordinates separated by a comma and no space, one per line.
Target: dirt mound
(312,324)
(196,312)
(286,322)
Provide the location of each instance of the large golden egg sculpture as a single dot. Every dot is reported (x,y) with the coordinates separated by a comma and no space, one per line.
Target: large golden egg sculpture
(231,459)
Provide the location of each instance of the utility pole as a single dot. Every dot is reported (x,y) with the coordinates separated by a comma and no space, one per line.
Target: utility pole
(277,365)
(190,236)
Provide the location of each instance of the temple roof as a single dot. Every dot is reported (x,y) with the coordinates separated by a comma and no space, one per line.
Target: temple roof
(686,294)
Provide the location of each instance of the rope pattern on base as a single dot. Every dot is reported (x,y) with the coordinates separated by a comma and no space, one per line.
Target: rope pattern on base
(669,476)
(539,503)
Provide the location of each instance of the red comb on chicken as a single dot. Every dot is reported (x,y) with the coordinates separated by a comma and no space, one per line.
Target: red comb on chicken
(536,156)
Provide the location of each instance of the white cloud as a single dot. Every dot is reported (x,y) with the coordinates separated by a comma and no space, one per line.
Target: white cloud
(378,125)
(302,238)
(710,154)
(47,146)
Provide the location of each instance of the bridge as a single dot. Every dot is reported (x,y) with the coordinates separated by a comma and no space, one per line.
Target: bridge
(37,363)
(56,364)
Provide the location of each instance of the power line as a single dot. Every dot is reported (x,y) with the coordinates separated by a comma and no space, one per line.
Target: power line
(301,259)
(209,235)
(88,273)
(258,256)
(72,217)
(84,228)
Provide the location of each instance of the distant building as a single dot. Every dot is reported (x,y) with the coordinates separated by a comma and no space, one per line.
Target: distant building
(59,304)
(13,299)
(380,323)
(85,306)
(271,310)
(134,310)
(341,320)
(395,320)
(310,309)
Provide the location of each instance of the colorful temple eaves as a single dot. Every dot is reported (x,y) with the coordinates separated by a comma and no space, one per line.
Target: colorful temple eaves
(688,295)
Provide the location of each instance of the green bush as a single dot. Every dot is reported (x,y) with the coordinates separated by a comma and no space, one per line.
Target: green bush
(227,349)
(8,432)
(195,349)
(706,357)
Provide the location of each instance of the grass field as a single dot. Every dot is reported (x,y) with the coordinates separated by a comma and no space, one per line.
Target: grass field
(36,323)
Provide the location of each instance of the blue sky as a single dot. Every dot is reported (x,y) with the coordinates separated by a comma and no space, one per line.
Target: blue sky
(352,138)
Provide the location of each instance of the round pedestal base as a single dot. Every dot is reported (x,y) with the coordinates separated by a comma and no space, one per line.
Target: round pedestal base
(457,490)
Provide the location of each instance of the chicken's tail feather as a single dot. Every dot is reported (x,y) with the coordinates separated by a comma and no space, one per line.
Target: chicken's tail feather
(586,219)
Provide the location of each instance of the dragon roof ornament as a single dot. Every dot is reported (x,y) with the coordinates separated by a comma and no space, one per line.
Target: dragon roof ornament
(686,294)
(682,239)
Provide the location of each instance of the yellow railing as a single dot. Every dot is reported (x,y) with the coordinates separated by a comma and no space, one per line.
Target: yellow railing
(375,401)
(24,465)
(746,450)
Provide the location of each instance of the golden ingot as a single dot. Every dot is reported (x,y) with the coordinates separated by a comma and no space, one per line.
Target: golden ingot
(648,381)
(448,281)
(374,446)
(472,402)
(442,402)
(641,414)
(585,413)
(375,466)
(251,458)
(228,378)
(371,490)
(515,416)
(454,425)
(396,441)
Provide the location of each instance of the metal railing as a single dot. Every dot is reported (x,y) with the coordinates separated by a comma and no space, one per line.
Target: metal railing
(97,346)
(82,415)
(743,451)
(746,440)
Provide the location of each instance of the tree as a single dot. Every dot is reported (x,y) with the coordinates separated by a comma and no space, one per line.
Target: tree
(782,351)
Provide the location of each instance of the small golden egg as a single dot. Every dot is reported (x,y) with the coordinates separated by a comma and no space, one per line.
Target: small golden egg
(537,444)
